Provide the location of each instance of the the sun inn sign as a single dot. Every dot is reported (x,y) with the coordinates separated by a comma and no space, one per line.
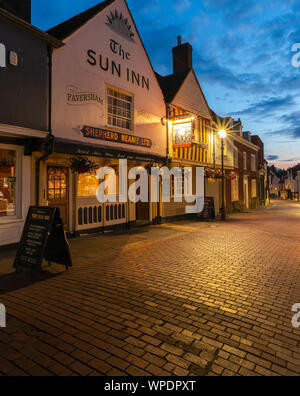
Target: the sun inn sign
(119,25)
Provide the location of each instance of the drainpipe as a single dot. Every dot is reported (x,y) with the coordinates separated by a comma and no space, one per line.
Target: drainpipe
(168,143)
(50,143)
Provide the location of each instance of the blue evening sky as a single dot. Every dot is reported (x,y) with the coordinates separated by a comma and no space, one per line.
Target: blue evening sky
(242,56)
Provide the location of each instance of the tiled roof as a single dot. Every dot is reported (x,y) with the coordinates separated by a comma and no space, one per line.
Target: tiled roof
(171,84)
(70,26)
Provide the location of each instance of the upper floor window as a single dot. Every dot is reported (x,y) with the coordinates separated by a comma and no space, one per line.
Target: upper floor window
(236,157)
(245,161)
(119,109)
(253,162)
(235,193)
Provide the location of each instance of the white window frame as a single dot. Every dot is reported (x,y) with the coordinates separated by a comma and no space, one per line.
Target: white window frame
(19,157)
(118,90)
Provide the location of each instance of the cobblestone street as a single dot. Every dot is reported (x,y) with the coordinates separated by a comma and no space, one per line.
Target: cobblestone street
(206,299)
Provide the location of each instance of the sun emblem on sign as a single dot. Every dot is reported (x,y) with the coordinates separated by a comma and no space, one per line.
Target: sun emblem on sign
(120,25)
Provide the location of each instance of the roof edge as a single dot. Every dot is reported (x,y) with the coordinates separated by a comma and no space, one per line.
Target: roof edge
(55,43)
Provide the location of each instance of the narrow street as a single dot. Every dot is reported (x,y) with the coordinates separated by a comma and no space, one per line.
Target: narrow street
(187,299)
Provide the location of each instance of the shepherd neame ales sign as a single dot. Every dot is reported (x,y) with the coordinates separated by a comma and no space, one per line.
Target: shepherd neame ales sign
(115,137)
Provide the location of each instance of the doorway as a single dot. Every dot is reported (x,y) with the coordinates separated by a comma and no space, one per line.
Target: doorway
(142,213)
(58,191)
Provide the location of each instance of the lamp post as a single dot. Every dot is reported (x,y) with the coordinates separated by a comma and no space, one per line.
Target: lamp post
(222,135)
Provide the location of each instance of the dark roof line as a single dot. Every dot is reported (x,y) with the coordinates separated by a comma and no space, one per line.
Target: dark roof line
(65,29)
(55,43)
(171,84)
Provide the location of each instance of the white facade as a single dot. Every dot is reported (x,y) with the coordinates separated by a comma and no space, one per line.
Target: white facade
(15,182)
(97,57)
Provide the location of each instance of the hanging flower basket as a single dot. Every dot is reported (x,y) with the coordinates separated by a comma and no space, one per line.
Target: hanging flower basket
(233,175)
(213,173)
(83,165)
(152,165)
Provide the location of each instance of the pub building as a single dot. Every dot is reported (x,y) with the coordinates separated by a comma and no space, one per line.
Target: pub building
(24,111)
(106,105)
(193,141)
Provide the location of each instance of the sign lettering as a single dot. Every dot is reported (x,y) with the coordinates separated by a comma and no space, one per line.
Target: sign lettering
(116,69)
(2,55)
(43,237)
(117,48)
(75,98)
(115,137)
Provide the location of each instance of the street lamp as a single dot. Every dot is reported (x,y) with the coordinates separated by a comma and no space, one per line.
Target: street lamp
(222,135)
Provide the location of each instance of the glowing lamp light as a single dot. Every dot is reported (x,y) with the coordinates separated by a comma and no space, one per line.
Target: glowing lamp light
(222,134)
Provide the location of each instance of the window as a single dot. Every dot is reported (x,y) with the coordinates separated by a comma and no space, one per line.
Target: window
(177,186)
(87,185)
(236,157)
(235,190)
(253,188)
(57,183)
(8,159)
(119,110)
(253,162)
(245,161)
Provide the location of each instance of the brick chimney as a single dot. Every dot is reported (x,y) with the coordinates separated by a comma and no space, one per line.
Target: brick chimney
(182,57)
(21,8)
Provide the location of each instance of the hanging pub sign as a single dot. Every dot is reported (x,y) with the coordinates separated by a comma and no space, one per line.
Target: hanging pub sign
(115,137)
(43,237)
(208,212)
(183,134)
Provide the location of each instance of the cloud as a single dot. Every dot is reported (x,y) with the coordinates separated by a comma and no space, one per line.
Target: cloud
(272,157)
(268,106)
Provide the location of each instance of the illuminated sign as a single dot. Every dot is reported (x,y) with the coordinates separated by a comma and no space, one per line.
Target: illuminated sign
(115,137)
(183,134)
(2,55)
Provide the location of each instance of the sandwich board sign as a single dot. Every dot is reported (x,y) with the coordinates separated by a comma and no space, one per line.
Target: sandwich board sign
(43,237)
(208,212)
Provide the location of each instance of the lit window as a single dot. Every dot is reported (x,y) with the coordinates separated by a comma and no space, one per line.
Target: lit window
(7,182)
(87,185)
(119,110)
(57,183)
(177,186)
(253,188)
(235,190)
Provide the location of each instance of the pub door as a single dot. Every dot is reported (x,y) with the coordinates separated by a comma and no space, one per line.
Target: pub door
(142,213)
(58,191)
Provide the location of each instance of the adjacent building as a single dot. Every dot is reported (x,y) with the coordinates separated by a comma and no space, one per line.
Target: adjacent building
(189,126)
(24,112)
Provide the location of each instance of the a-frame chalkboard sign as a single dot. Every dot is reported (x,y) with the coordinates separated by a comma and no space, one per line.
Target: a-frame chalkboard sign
(208,212)
(43,237)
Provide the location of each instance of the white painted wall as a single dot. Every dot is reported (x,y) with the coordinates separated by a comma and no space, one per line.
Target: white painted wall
(71,69)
